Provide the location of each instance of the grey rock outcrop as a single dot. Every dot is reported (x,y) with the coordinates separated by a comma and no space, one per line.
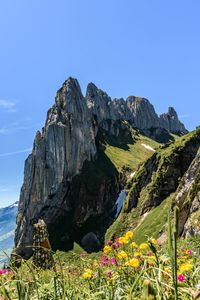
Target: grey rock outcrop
(171,123)
(139,112)
(188,200)
(143,112)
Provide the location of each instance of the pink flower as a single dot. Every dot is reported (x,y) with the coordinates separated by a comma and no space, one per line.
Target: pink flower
(116,244)
(189,252)
(108,242)
(109,274)
(103,261)
(3,271)
(83,254)
(113,261)
(181,278)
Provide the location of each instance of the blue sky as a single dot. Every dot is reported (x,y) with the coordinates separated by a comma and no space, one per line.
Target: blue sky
(147,48)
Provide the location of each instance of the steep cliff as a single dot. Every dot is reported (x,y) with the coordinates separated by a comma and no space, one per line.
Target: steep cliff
(71,179)
(139,112)
(171,123)
(169,177)
(188,200)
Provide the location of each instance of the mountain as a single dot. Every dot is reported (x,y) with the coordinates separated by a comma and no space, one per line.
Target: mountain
(88,149)
(7,228)
(170,177)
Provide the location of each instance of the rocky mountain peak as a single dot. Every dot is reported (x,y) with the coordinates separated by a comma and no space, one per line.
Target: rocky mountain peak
(70,98)
(171,112)
(171,123)
(91,91)
(68,179)
(144,113)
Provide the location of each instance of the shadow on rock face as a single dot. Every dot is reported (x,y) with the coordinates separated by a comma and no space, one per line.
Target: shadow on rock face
(90,242)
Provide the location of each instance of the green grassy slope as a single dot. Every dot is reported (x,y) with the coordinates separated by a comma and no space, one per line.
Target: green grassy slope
(134,155)
(151,191)
(130,152)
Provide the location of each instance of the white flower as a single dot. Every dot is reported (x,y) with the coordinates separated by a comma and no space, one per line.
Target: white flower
(198,286)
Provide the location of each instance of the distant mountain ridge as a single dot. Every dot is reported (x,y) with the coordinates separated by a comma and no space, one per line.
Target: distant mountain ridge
(7,228)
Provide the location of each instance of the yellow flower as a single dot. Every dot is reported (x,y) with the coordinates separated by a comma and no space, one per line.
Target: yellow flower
(151,260)
(144,246)
(129,235)
(122,255)
(115,275)
(95,263)
(107,249)
(123,240)
(137,254)
(167,270)
(134,262)
(185,267)
(133,245)
(87,274)
(154,241)
(184,257)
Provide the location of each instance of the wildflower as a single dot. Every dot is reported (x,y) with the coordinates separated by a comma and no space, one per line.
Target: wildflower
(87,274)
(109,274)
(148,253)
(154,241)
(133,245)
(137,254)
(107,249)
(103,261)
(3,271)
(189,252)
(113,261)
(134,262)
(95,263)
(185,267)
(116,244)
(167,270)
(123,240)
(115,275)
(122,255)
(151,260)
(129,234)
(181,278)
(109,242)
(143,246)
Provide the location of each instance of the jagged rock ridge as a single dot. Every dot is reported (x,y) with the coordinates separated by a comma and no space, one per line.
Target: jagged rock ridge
(68,179)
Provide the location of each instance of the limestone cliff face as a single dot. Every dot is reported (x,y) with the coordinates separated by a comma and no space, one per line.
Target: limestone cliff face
(139,112)
(68,179)
(170,122)
(188,200)
(143,112)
